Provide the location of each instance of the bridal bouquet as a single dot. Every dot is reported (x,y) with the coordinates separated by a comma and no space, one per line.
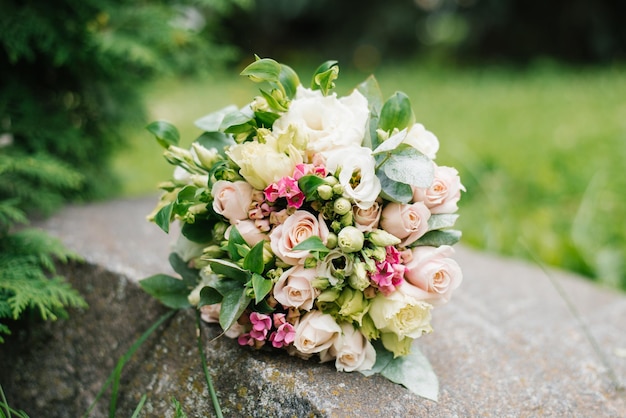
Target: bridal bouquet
(313,223)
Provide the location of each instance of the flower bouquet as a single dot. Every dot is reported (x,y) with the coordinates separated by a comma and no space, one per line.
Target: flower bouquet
(313,223)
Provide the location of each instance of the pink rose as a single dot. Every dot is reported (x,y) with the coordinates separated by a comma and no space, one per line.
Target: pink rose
(442,196)
(366,220)
(405,221)
(432,270)
(249,232)
(298,227)
(232,200)
(315,332)
(294,288)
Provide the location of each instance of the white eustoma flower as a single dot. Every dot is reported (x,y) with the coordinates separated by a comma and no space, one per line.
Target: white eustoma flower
(357,174)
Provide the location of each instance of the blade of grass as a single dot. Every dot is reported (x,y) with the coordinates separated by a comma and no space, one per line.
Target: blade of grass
(4,405)
(139,406)
(205,368)
(115,374)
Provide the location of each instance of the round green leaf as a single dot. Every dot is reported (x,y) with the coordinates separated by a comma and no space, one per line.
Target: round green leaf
(165,133)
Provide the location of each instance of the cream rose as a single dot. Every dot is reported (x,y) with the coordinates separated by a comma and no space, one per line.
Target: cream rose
(357,174)
(401,314)
(294,288)
(261,163)
(351,351)
(433,271)
(232,199)
(443,195)
(405,221)
(366,220)
(316,332)
(422,140)
(326,122)
(298,227)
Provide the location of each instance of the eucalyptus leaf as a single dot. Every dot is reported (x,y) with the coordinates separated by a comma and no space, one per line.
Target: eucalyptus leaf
(441,221)
(233,305)
(253,261)
(213,121)
(166,134)
(217,140)
(230,270)
(396,113)
(437,238)
(411,167)
(371,90)
(393,190)
(265,69)
(391,143)
(164,216)
(261,287)
(209,296)
(170,291)
(412,371)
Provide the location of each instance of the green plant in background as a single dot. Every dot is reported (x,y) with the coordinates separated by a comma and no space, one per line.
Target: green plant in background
(27,255)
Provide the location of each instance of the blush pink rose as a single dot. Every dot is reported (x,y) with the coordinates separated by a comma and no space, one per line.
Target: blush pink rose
(366,220)
(443,195)
(405,221)
(298,227)
(232,200)
(433,271)
(294,288)
(351,351)
(315,332)
(249,232)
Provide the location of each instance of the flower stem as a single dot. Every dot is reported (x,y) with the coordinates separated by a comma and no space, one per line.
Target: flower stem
(205,368)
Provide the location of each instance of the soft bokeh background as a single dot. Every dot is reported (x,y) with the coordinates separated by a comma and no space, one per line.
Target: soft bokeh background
(527,98)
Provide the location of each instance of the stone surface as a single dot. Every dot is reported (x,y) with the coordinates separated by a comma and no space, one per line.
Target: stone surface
(507,344)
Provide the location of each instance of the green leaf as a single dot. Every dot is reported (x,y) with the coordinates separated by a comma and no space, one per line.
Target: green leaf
(213,121)
(324,77)
(393,190)
(289,80)
(396,113)
(313,243)
(165,133)
(190,275)
(230,270)
(226,285)
(411,167)
(308,185)
(443,220)
(438,237)
(412,371)
(217,140)
(253,261)
(265,69)
(261,287)
(235,121)
(209,296)
(263,307)
(233,305)
(201,231)
(265,119)
(170,291)
(164,217)
(371,90)
(234,240)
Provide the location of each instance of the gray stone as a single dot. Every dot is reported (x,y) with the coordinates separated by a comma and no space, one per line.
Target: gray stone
(507,344)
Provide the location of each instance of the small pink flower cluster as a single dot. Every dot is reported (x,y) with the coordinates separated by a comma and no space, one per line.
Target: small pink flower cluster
(283,334)
(287,187)
(389,272)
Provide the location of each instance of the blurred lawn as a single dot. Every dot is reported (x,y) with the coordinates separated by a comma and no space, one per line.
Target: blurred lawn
(542,152)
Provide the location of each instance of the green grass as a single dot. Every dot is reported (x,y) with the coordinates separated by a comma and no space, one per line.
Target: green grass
(540,151)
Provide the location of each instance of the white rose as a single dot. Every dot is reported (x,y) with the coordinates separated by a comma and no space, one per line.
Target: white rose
(316,332)
(325,121)
(294,288)
(422,140)
(357,174)
(401,314)
(351,351)
(262,164)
